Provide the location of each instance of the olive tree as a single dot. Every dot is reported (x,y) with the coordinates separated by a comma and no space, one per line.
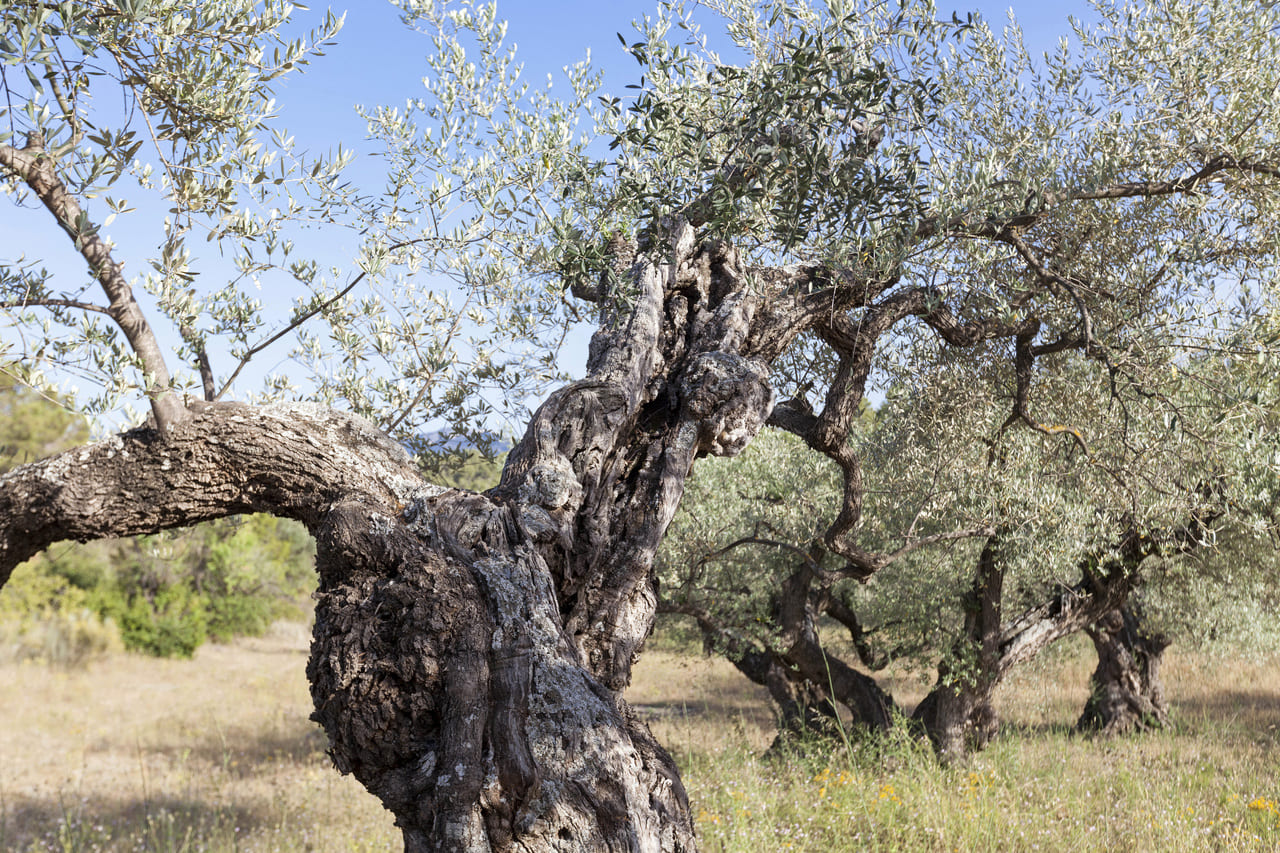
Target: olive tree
(849,185)
(1077,543)
(1001,542)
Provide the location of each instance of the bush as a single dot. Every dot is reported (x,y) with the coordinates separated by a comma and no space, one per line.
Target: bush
(167,594)
(44,617)
(240,615)
(172,623)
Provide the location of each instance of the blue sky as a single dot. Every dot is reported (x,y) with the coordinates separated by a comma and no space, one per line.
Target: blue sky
(379,61)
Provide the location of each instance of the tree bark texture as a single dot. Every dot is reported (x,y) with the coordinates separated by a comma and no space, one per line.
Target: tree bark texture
(1126,693)
(470,650)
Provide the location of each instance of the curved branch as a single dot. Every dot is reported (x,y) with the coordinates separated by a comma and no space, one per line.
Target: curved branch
(35,167)
(1024,371)
(828,432)
(292,460)
(949,536)
(804,555)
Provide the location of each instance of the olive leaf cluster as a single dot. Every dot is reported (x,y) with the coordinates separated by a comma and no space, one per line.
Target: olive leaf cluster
(165,108)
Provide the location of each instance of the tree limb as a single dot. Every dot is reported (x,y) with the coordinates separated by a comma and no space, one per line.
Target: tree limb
(35,167)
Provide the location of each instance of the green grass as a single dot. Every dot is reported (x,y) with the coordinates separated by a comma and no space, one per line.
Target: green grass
(1153,792)
(217,754)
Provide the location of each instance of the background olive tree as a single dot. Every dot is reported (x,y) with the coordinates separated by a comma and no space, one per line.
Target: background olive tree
(1037,517)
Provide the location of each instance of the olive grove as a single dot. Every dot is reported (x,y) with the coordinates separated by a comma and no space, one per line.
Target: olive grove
(745,560)
(852,193)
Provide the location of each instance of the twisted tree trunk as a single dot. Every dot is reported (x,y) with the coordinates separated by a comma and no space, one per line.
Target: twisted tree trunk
(1125,693)
(470,650)
(958,715)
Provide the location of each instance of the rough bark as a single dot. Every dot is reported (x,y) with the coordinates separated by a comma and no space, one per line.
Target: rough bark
(800,603)
(1126,693)
(293,460)
(804,709)
(470,650)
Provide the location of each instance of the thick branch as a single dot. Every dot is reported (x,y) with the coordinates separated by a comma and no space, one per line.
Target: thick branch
(1105,585)
(293,461)
(601,469)
(856,341)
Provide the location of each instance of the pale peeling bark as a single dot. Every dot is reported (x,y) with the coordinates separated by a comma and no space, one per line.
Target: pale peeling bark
(959,715)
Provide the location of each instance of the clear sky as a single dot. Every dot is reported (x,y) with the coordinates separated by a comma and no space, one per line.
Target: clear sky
(379,61)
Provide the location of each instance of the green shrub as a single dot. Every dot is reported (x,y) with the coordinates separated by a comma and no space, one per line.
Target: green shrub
(240,615)
(166,594)
(172,623)
(44,617)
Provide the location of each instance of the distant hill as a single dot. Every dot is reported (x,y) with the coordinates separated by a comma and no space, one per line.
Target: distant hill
(442,441)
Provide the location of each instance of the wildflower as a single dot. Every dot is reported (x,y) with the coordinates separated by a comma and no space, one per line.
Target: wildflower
(1260,804)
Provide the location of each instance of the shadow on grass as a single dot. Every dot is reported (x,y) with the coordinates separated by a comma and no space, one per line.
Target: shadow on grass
(157,823)
(1254,710)
(244,752)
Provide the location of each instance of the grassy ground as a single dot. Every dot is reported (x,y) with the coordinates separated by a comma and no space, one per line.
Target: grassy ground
(217,754)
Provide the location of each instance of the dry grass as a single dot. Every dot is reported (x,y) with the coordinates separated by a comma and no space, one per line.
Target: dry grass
(214,753)
(217,753)
(1210,782)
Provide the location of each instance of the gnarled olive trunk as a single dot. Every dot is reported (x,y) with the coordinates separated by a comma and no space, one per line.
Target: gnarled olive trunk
(808,706)
(1125,693)
(806,681)
(959,715)
(470,650)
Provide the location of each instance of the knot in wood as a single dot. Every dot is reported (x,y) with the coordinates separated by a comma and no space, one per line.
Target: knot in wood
(551,483)
(730,399)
